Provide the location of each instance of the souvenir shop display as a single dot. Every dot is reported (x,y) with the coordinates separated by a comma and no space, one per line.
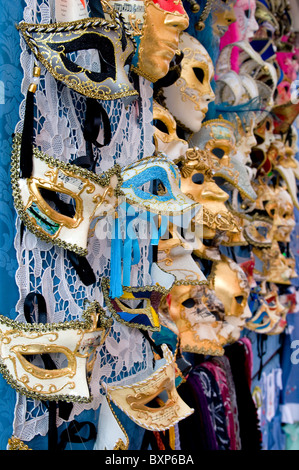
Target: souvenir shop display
(151,170)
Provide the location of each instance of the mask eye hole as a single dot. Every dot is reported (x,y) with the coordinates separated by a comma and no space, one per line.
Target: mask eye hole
(61,203)
(259,139)
(268,125)
(218,152)
(247,13)
(198,178)
(189,303)
(239,299)
(199,73)
(161,126)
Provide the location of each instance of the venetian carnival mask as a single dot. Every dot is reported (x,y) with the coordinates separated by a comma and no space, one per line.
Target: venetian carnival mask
(223,15)
(153,403)
(199,185)
(264,136)
(26,351)
(245,18)
(165,133)
(196,315)
(78,195)
(218,137)
(57,46)
(268,315)
(230,284)
(188,97)
(156,26)
(272,266)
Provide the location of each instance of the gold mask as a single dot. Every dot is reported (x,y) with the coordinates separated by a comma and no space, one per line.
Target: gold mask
(223,15)
(135,400)
(188,97)
(76,340)
(232,288)
(197,182)
(272,266)
(156,26)
(196,316)
(165,133)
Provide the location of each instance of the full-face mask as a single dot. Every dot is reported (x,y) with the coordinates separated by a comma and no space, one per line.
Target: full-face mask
(57,46)
(264,136)
(153,403)
(188,98)
(165,133)
(230,284)
(223,15)
(156,26)
(196,315)
(218,137)
(199,185)
(272,266)
(26,349)
(245,18)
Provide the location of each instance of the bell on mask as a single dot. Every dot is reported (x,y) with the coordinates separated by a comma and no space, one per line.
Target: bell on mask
(231,286)
(188,98)
(153,403)
(156,26)
(27,350)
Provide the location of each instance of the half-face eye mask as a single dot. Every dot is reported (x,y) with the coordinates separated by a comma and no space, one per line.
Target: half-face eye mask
(218,137)
(164,195)
(153,403)
(199,185)
(188,98)
(156,25)
(232,288)
(26,349)
(59,200)
(57,47)
(196,315)
(268,314)
(165,133)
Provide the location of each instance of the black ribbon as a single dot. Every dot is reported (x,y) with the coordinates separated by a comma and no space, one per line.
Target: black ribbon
(26,152)
(72,433)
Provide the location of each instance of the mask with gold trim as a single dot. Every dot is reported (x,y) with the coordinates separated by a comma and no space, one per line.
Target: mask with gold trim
(198,184)
(269,314)
(156,26)
(23,344)
(139,400)
(218,137)
(188,98)
(279,154)
(231,286)
(167,199)
(264,137)
(79,196)
(165,133)
(196,315)
(223,15)
(57,45)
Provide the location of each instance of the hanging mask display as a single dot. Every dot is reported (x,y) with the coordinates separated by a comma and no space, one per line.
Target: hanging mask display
(272,266)
(230,284)
(165,133)
(156,26)
(188,98)
(79,195)
(137,400)
(26,351)
(55,46)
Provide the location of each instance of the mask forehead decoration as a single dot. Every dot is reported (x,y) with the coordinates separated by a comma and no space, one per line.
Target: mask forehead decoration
(199,185)
(218,137)
(136,399)
(232,288)
(196,315)
(165,133)
(156,26)
(21,343)
(188,98)
(86,196)
(168,199)
(223,15)
(269,314)
(56,46)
